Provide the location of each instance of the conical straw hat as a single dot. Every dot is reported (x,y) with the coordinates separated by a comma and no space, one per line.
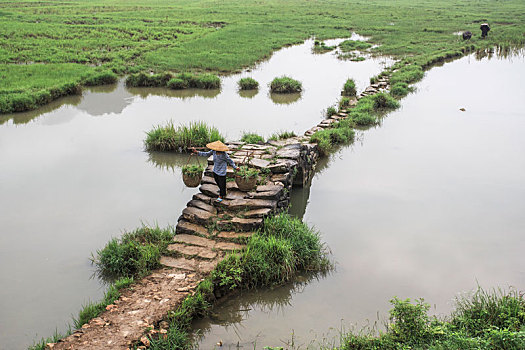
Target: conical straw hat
(217,146)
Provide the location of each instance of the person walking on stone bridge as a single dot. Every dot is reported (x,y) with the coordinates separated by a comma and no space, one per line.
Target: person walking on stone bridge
(221,160)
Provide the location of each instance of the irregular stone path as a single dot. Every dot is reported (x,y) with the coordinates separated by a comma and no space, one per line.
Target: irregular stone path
(206,231)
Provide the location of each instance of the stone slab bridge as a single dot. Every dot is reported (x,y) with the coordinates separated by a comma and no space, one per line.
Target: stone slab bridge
(206,231)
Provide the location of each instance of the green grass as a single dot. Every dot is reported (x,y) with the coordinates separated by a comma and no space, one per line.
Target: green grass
(178,82)
(182,137)
(330,111)
(135,254)
(328,139)
(282,135)
(252,138)
(185,36)
(321,47)
(192,169)
(349,88)
(487,320)
(248,84)
(351,45)
(285,85)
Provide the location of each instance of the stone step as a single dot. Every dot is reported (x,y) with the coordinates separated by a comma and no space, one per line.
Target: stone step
(194,240)
(241,224)
(285,178)
(202,205)
(272,194)
(228,246)
(186,227)
(229,235)
(201,266)
(197,216)
(248,204)
(230,185)
(192,251)
(257,213)
(204,198)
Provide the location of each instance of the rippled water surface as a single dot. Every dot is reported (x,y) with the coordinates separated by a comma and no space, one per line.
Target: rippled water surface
(74,174)
(429,204)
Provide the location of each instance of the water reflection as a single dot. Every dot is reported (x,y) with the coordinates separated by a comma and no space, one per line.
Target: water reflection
(171,161)
(285,99)
(180,94)
(248,93)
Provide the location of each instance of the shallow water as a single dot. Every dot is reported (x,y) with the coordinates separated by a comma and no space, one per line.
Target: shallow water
(74,174)
(430,204)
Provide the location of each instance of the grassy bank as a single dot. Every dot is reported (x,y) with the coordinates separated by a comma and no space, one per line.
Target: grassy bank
(487,320)
(180,138)
(184,36)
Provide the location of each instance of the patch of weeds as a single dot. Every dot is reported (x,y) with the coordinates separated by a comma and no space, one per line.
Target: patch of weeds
(248,84)
(352,45)
(252,138)
(100,78)
(407,74)
(181,138)
(135,254)
(285,85)
(148,80)
(327,139)
(349,88)
(344,103)
(282,135)
(321,47)
(400,89)
(330,111)
(382,101)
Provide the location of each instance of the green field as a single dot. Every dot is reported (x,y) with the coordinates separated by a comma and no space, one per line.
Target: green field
(46,44)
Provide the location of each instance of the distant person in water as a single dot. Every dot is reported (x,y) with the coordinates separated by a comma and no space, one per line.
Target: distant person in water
(221,160)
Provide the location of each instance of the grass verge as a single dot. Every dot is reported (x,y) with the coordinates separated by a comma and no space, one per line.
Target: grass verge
(182,137)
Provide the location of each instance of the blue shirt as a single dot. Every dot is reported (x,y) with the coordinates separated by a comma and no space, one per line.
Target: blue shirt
(220,161)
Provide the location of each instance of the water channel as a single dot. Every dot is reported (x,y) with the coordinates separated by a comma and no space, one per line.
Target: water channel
(73,174)
(429,204)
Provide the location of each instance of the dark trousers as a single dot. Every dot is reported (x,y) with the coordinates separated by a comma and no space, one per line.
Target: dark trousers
(221,182)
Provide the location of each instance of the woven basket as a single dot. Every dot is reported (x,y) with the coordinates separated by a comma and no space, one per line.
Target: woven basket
(244,184)
(192,180)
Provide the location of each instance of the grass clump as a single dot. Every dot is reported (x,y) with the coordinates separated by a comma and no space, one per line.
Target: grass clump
(248,84)
(321,47)
(349,88)
(352,45)
(177,84)
(407,74)
(285,85)
(148,80)
(133,255)
(181,138)
(100,79)
(282,135)
(330,111)
(246,172)
(344,103)
(382,101)
(400,89)
(252,138)
(328,139)
(487,320)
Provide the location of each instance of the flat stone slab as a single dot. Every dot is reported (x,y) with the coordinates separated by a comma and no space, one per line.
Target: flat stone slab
(234,235)
(255,162)
(229,246)
(290,152)
(192,250)
(239,204)
(202,205)
(246,224)
(257,213)
(194,240)
(272,194)
(269,187)
(202,197)
(233,194)
(186,227)
(210,190)
(197,216)
(202,266)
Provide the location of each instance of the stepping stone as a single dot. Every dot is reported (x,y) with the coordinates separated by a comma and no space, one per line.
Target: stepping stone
(268,187)
(233,234)
(186,227)
(246,224)
(273,194)
(202,205)
(255,162)
(192,250)
(197,216)
(240,204)
(194,240)
(291,151)
(257,213)
(210,190)
(179,263)
(204,198)
(282,178)
(233,194)
(229,246)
